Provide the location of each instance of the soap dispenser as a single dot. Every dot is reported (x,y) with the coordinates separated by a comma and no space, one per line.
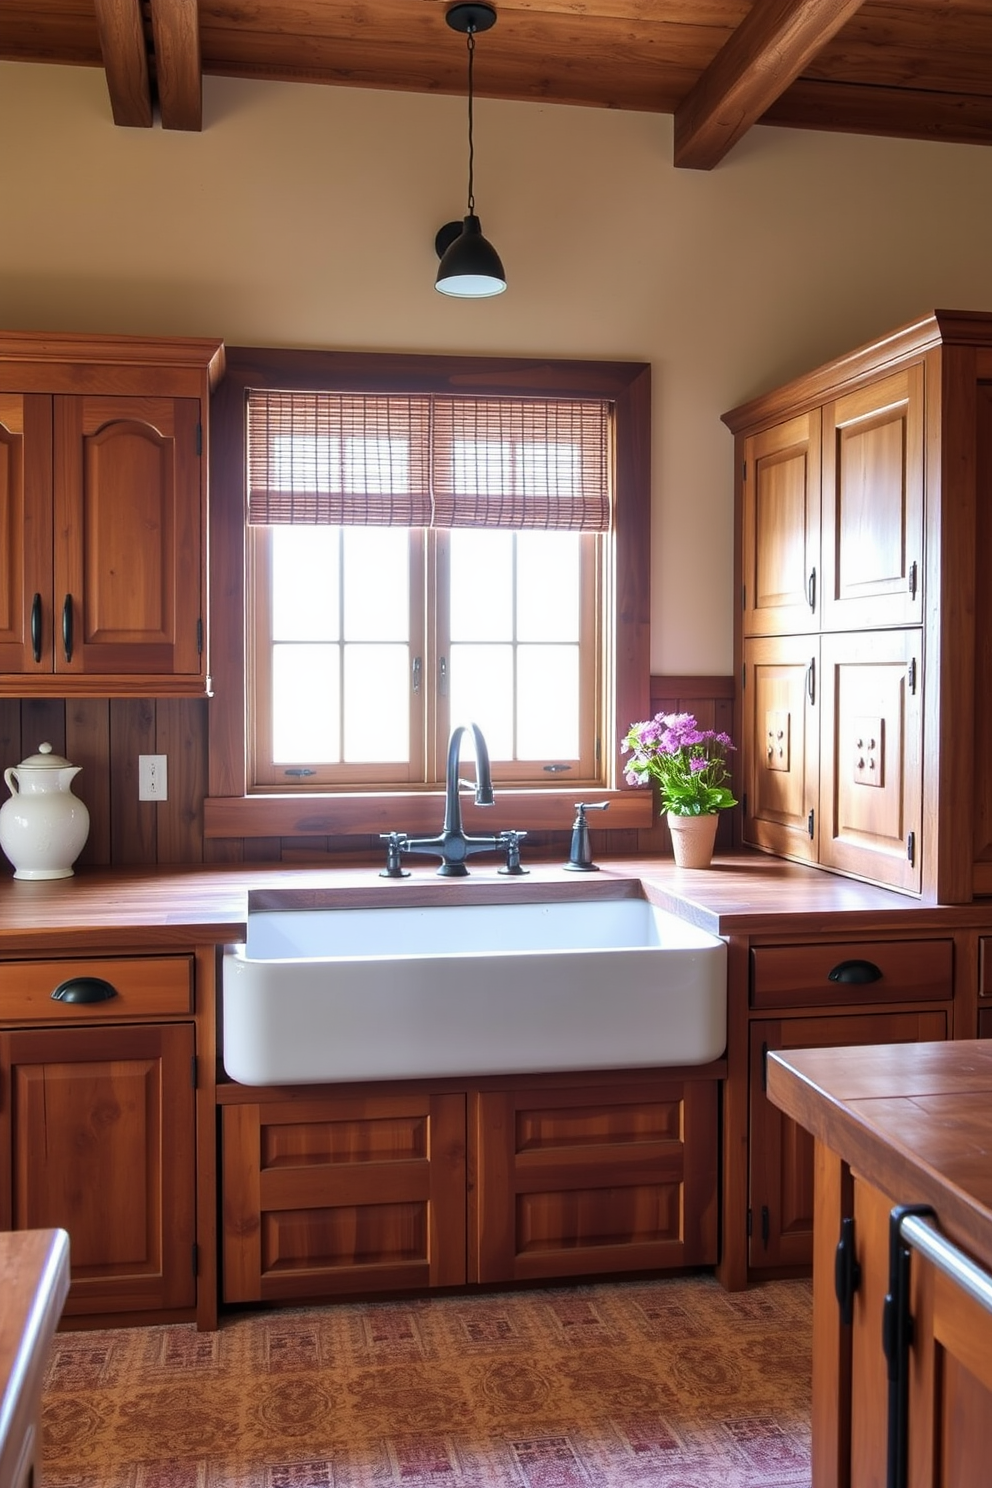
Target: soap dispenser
(580,854)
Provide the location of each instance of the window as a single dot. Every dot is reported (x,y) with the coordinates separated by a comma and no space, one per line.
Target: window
(418,562)
(421,550)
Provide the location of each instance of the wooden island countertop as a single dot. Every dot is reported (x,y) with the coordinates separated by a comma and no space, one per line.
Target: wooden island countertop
(34,1282)
(913,1120)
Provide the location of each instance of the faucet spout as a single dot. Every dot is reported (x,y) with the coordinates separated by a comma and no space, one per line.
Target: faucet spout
(484,795)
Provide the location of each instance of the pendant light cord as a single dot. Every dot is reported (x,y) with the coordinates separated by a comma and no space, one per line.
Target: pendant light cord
(471,141)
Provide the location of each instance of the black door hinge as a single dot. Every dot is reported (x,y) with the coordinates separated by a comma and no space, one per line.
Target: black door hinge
(199,439)
(743,803)
(196,1259)
(911,676)
(847,1272)
(911,848)
(192,1071)
(811,824)
(199,637)
(750,1223)
(912,579)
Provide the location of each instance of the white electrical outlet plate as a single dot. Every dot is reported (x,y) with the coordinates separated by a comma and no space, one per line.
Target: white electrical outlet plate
(153,777)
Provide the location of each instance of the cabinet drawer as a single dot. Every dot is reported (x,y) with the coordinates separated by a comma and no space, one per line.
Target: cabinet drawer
(910,971)
(152,985)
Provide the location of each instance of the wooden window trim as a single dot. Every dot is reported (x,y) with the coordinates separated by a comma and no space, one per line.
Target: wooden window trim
(228,810)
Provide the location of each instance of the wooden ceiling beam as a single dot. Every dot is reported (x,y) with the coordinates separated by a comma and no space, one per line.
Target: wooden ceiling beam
(178,68)
(125,61)
(767,52)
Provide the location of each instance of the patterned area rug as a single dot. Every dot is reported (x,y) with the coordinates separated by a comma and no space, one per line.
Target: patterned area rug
(670,1383)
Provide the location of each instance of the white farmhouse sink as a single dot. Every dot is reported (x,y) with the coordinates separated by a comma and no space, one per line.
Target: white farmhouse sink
(354,994)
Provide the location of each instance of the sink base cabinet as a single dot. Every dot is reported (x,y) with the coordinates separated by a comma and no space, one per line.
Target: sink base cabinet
(328,1195)
(99,1140)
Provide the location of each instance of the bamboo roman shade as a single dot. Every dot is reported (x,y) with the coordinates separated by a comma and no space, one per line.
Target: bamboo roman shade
(351,459)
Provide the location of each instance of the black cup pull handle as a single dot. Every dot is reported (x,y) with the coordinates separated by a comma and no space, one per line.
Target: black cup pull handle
(67,627)
(36,627)
(84,989)
(855,972)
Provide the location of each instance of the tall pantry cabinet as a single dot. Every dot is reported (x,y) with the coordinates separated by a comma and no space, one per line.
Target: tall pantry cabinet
(864,624)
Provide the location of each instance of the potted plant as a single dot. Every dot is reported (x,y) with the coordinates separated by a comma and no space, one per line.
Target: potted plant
(691,768)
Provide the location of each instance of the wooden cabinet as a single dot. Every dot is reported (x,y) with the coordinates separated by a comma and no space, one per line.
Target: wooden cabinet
(780,1230)
(103,493)
(98,1126)
(573,1182)
(328,1193)
(831,994)
(863,527)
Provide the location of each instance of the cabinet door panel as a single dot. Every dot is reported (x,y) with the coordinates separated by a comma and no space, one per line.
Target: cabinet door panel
(781,527)
(101,1143)
(329,1196)
(873,504)
(781,745)
(577,1181)
(781,1153)
(25,532)
(127,551)
(871,757)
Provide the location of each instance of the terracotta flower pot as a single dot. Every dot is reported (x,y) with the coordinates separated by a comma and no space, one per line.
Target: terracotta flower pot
(692,839)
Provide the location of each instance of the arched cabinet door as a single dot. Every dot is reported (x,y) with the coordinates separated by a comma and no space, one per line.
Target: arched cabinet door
(127,591)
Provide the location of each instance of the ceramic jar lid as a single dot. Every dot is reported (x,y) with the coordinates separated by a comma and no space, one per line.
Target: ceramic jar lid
(45,760)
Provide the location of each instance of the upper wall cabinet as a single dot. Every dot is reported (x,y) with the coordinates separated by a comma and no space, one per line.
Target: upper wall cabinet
(864,632)
(832,513)
(103,510)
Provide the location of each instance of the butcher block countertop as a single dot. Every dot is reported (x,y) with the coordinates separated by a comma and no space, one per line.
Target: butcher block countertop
(159,908)
(913,1120)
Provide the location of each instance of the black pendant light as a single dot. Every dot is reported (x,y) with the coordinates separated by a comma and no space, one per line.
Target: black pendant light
(470,266)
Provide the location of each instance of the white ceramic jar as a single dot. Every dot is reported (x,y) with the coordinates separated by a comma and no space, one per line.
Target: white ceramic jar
(43,826)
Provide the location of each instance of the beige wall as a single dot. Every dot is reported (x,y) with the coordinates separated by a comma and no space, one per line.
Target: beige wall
(305,216)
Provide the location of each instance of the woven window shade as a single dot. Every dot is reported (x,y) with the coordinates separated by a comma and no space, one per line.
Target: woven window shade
(428,461)
(338,459)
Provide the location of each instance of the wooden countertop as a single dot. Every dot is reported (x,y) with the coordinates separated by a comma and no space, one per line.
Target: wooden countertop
(914,1120)
(34,1280)
(161,908)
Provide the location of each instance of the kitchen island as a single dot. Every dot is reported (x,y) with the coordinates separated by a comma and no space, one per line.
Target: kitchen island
(800,945)
(898,1126)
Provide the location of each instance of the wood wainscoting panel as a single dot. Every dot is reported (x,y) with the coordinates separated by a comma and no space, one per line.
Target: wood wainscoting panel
(105,736)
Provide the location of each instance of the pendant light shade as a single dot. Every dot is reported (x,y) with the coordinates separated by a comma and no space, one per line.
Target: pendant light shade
(470,267)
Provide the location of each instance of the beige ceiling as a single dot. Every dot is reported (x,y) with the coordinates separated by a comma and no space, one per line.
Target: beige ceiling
(920,69)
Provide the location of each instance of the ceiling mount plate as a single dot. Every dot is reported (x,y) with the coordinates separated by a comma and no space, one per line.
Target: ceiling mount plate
(470,15)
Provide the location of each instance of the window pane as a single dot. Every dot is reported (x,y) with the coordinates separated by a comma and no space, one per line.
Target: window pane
(376,704)
(376,570)
(548,586)
(305,708)
(481,691)
(548,703)
(481,585)
(304,583)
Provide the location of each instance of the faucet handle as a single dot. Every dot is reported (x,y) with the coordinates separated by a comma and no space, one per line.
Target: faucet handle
(510,842)
(395,843)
